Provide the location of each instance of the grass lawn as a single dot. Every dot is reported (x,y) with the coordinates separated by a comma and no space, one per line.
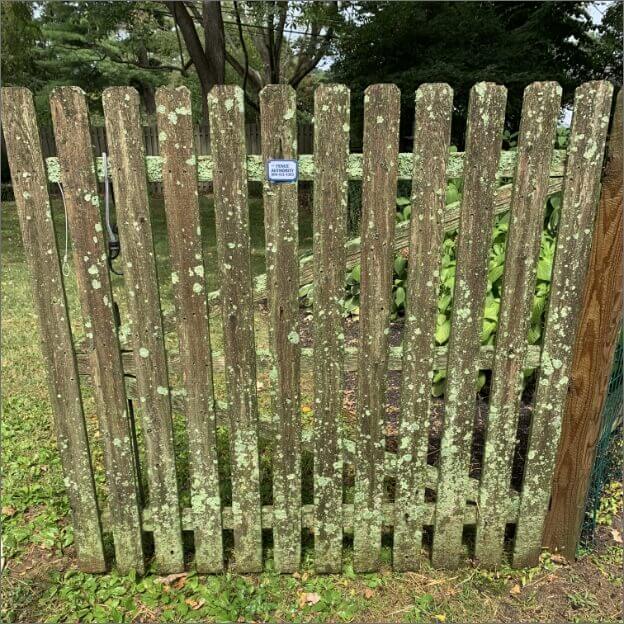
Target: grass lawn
(41,583)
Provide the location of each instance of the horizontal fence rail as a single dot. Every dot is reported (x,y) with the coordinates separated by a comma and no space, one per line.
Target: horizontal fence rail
(258,465)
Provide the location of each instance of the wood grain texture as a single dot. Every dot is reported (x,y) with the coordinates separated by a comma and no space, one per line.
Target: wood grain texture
(331,149)
(486,113)
(540,112)
(189,294)
(432,131)
(73,144)
(33,207)
(227,123)
(278,122)
(382,106)
(599,323)
(125,142)
(592,104)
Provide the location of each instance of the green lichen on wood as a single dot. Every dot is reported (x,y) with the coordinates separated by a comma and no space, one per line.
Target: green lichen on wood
(331,148)
(125,141)
(535,145)
(40,249)
(233,250)
(279,141)
(380,167)
(307,169)
(592,104)
(483,144)
(187,264)
(72,133)
(434,105)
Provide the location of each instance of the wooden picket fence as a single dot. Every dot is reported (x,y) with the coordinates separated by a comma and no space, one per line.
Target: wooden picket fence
(441,500)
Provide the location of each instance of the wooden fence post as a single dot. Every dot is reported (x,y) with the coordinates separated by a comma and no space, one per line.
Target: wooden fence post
(33,208)
(278,111)
(599,323)
(592,104)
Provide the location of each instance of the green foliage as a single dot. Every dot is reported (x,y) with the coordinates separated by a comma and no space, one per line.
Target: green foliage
(511,43)
(496,267)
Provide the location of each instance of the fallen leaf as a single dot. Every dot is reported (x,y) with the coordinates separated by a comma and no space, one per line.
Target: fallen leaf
(616,535)
(8,511)
(440,617)
(306,409)
(515,590)
(368,593)
(308,598)
(195,604)
(559,560)
(167,580)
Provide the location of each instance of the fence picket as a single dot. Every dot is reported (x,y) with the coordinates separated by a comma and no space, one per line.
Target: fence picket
(189,293)
(71,125)
(592,104)
(432,132)
(540,112)
(226,111)
(125,140)
(382,105)
(331,149)
(486,112)
(40,249)
(279,140)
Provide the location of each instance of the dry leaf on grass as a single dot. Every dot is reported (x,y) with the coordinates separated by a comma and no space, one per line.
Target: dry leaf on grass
(195,604)
(368,593)
(170,578)
(559,560)
(308,598)
(515,590)
(616,535)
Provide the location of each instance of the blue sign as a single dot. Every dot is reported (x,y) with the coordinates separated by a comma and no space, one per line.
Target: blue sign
(282,171)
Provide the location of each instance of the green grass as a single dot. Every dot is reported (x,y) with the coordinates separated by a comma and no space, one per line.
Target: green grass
(40,580)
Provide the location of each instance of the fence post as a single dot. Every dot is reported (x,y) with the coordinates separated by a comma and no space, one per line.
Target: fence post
(279,140)
(33,208)
(331,149)
(382,104)
(189,294)
(226,109)
(592,104)
(125,140)
(599,323)
(486,115)
(73,141)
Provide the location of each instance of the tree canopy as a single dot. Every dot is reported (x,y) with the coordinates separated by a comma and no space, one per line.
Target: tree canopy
(461,43)
(200,43)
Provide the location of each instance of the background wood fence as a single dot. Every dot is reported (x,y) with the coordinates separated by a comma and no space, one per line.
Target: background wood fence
(201,135)
(433,510)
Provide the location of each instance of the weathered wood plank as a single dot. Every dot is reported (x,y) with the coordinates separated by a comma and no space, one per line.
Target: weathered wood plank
(486,113)
(227,124)
(33,207)
(599,325)
(592,104)
(125,142)
(73,143)
(307,167)
(432,131)
(382,108)
(263,359)
(540,112)
(307,517)
(331,149)
(189,294)
(279,141)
